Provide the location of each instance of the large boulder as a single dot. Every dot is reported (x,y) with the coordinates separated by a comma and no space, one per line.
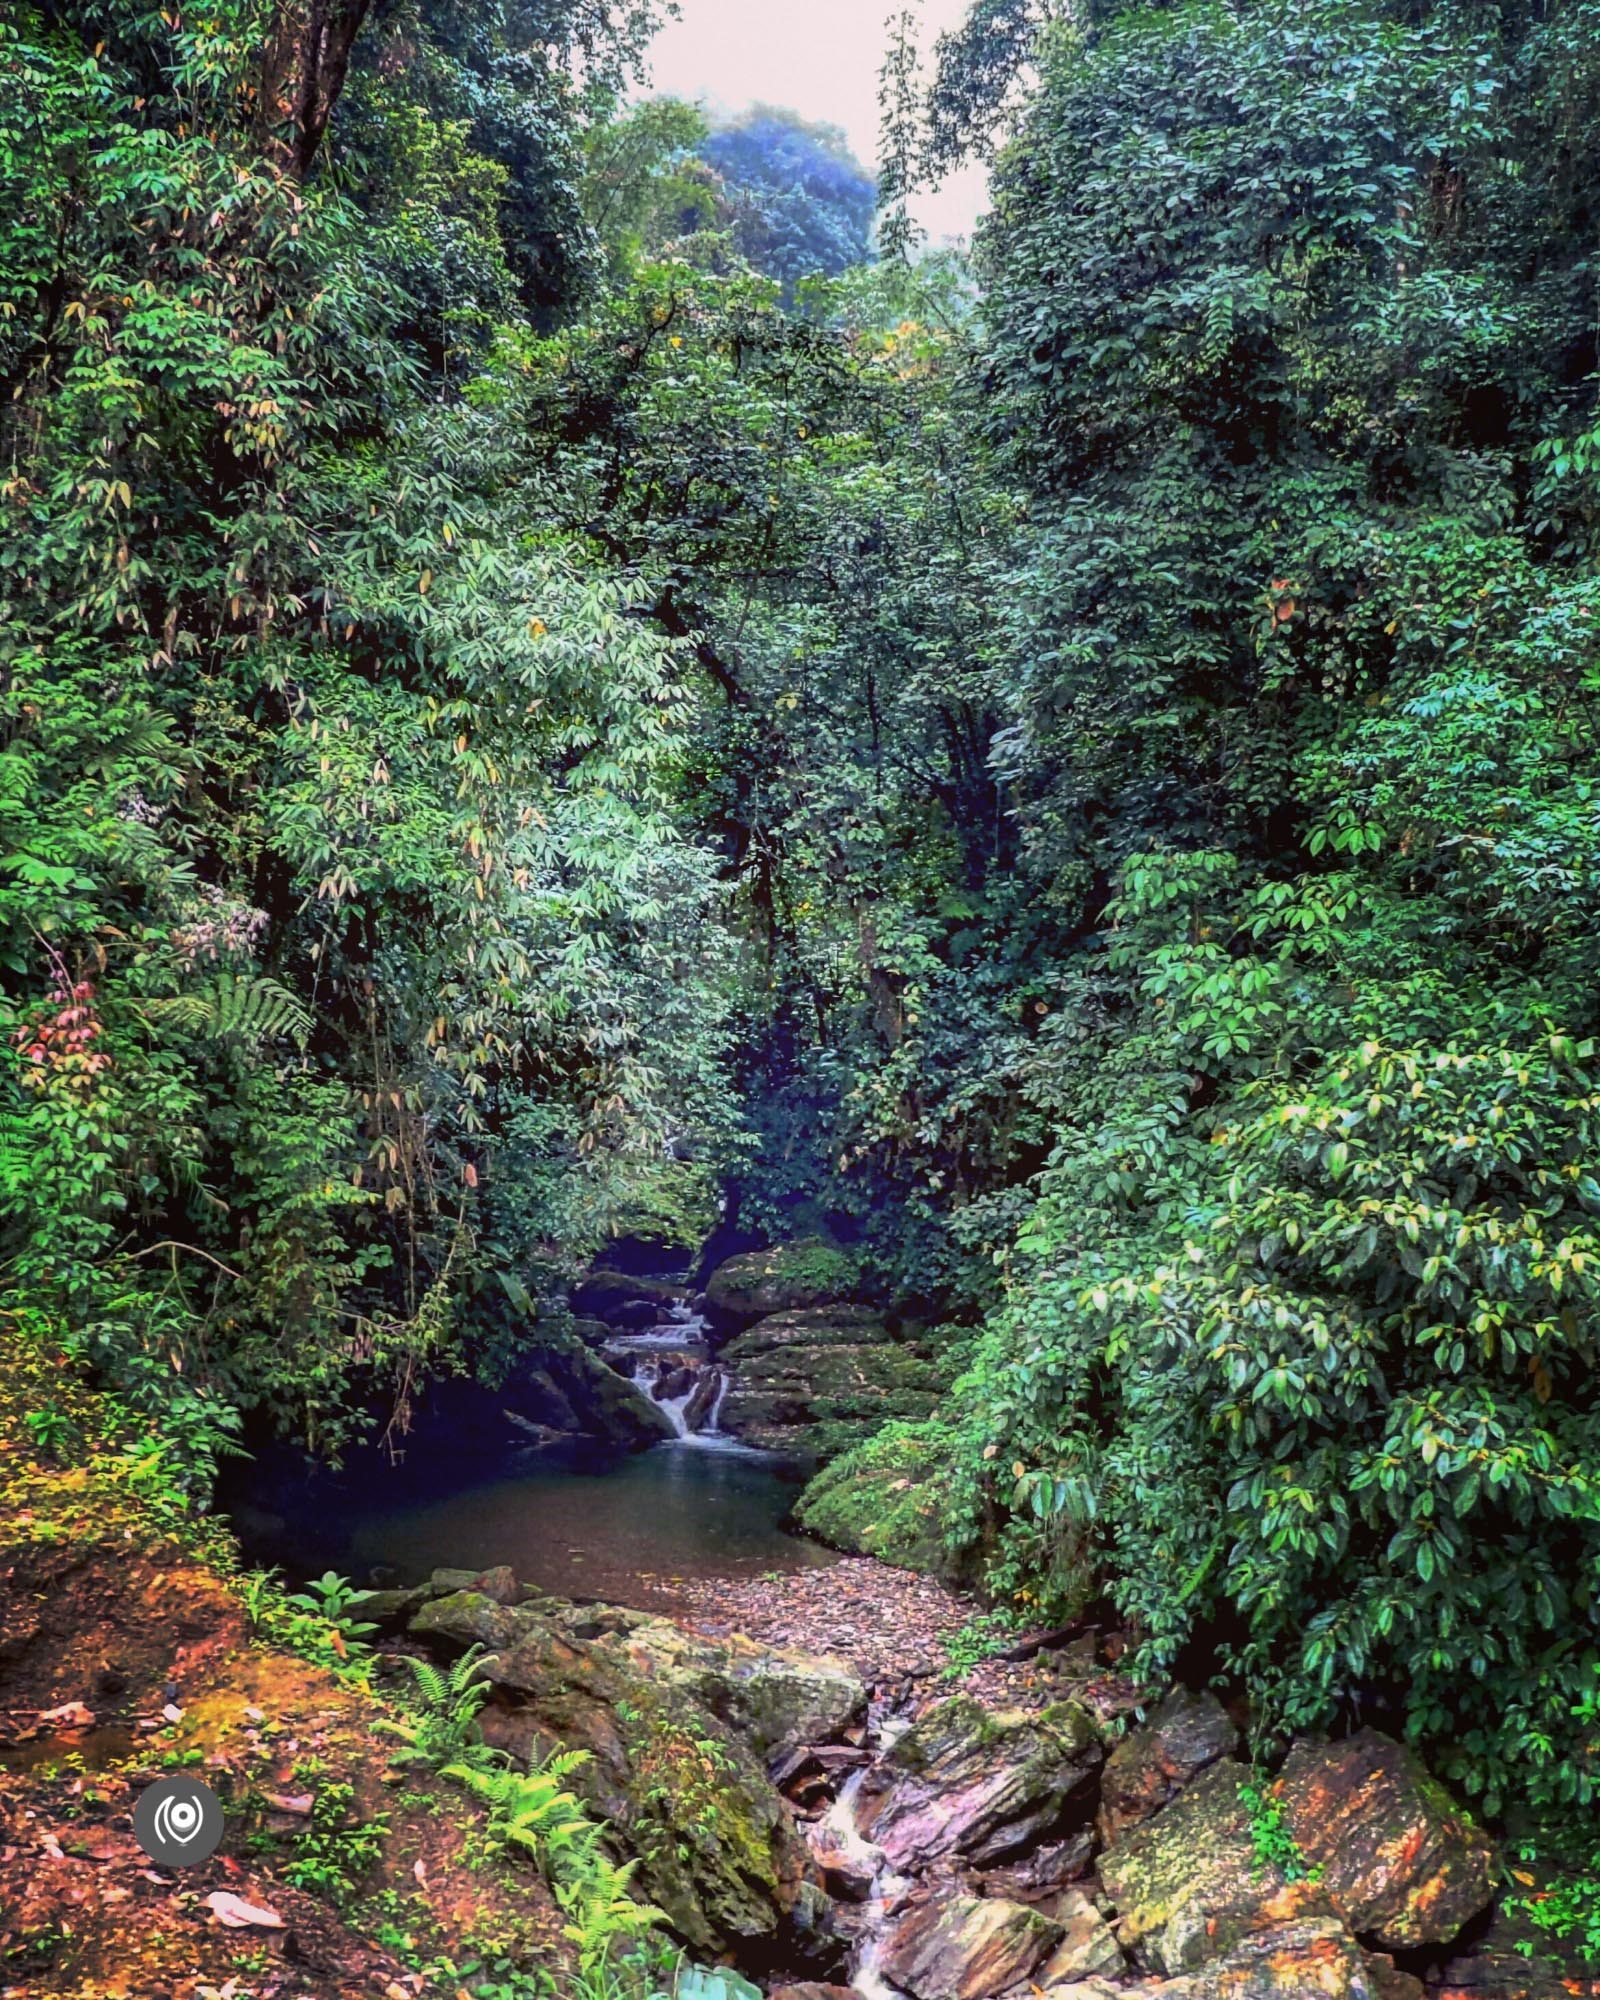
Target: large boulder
(818,1380)
(773,1699)
(966,1948)
(603,1294)
(1390,1858)
(809,1272)
(1188,1884)
(1400,1859)
(607,1405)
(965,1782)
(718,1849)
(1185,1735)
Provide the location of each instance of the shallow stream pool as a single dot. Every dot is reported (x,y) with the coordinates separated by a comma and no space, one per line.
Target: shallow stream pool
(622,1530)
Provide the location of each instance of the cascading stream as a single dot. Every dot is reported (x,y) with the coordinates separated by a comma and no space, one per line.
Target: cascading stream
(837,1833)
(673,1364)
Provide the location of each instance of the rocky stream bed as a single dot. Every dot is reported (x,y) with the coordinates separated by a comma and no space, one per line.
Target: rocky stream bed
(854,1819)
(817,1786)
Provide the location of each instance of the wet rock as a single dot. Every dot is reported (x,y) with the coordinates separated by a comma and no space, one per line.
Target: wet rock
(609,1405)
(1400,1860)
(707,1388)
(813,1989)
(685,1790)
(1044,1869)
(966,1948)
(1184,1736)
(1187,1884)
(1310,1958)
(499,1584)
(845,1875)
(817,1380)
(1499,1975)
(1087,1946)
(983,1786)
(673,1382)
(799,1768)
(603,1295)
(561,1387)
(592,1332)
(556,1412)
(809,1272)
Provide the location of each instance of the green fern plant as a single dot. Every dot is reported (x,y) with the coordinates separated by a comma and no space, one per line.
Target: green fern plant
(535,1812)
(256,1009)
(443,1724)
(603,1914)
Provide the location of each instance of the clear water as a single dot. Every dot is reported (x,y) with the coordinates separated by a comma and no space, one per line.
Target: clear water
(625,1531)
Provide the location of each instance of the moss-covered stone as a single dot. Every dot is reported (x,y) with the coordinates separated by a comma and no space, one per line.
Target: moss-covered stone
(884,1498)
(602,1293)
(786,1278)
(969,1783)
(815,1381)
(1189,1884)
(771,1698)
(680,1782)
(1150,1766)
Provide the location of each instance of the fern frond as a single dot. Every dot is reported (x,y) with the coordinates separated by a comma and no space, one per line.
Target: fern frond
(257,1009)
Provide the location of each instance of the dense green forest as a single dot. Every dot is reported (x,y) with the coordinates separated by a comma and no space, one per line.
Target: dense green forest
(549,693)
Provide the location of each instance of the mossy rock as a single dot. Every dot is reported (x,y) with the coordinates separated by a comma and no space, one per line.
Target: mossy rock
(786,1278)
(982,1785)
(813,1382)
(562,1387)
(884,1498)
(682,1783)
(599,1294)
(1189,1883)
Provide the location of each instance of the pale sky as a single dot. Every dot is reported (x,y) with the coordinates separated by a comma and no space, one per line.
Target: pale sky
(818,57)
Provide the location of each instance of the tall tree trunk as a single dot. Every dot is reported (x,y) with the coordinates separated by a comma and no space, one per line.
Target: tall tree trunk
(307,60)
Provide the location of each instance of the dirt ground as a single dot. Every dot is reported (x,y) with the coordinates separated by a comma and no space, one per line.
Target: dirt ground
(127,1653)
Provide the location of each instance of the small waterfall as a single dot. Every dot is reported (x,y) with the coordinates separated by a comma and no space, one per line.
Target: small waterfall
(672,1363)
(837,1834)
(690,1389)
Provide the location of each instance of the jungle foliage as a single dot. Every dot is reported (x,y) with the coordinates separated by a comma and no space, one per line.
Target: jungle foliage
(1290,341)
(347,899)
(525,709)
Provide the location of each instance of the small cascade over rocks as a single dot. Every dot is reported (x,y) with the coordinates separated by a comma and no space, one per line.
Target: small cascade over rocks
(777,1353)
(672,1362)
